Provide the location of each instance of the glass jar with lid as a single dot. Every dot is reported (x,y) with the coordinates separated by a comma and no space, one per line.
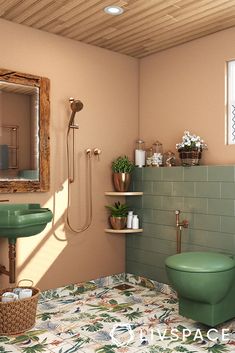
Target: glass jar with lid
(157,159)
(140,153)
(149,157)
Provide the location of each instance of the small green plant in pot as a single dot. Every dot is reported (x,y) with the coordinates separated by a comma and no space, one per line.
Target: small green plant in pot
(122,168)
(118,215)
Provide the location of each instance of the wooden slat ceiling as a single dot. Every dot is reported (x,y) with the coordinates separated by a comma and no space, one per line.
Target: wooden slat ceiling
(145,27)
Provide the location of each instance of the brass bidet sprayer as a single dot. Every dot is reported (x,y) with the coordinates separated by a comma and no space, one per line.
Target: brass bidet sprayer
(179,226)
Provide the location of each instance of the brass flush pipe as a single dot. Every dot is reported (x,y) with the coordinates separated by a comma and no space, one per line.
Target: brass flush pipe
(179,227)
(12,261)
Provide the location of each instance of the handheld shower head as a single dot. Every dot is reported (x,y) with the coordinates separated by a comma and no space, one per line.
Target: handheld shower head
(76,106)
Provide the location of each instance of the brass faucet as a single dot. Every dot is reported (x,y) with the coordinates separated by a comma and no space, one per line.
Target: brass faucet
(179,226)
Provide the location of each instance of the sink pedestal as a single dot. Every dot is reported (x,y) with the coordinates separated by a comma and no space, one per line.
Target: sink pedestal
(12,261)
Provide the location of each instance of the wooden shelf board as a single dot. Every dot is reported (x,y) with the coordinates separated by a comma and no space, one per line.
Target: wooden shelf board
(124,193)
(123,231)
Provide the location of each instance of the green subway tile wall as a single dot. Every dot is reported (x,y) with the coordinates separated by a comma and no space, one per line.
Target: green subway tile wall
(206,197)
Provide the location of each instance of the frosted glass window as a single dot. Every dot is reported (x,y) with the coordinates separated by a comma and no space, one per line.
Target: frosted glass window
(231,102)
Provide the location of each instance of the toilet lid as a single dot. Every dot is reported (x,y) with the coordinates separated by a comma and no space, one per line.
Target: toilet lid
(200,262)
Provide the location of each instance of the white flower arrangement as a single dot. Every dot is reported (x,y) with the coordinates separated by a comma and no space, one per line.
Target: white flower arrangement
(191,142)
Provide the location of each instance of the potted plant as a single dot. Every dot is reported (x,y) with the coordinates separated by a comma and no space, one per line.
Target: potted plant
(190,149)
(122,168)
(118,215)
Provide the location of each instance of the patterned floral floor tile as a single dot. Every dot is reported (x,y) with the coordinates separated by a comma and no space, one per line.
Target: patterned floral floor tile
(4,348)
(109,348)
(90,318)
(62,348)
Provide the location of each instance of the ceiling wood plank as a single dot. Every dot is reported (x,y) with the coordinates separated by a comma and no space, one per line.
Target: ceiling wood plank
(181,39)
(47,17)
(150,18)
(91,34)
(145,27)
(6,6)
(19,8)
(72,18)
(85,16)
(211,23)
(203,11)
(33,9)
(135,12)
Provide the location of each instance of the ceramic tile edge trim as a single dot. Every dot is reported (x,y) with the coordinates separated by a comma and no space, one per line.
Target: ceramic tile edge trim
(82,287)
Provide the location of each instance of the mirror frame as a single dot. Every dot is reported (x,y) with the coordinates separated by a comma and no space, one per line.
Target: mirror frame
(43,184)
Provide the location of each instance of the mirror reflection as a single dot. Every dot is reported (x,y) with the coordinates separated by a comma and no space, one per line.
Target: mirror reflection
(19,131)
(24,132)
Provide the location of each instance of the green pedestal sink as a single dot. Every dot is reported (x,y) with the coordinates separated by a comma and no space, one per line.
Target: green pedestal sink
(23,220)
(17,221)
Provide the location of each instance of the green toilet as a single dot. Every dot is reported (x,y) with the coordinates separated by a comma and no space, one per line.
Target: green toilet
(205,283)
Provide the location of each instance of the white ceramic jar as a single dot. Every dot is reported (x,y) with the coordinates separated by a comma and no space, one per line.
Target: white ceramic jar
(129,219)
(135,222)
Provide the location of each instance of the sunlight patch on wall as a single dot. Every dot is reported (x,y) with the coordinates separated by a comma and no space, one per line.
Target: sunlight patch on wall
(35,255)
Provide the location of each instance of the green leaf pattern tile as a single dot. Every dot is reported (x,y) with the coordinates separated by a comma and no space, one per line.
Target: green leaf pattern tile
(139,319)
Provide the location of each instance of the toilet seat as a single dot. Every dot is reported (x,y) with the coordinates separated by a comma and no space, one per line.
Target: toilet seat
(200,262)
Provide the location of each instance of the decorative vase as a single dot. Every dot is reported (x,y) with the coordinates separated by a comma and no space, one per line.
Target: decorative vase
(118,222)
(121,181)
(189,158)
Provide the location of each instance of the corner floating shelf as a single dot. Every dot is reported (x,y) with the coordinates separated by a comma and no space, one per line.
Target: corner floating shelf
(124,193)
(124,231)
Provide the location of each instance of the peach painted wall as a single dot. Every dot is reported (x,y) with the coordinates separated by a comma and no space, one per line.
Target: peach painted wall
(183,88)
(107,84)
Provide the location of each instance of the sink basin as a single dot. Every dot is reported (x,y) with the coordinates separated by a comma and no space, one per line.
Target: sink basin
(23,220)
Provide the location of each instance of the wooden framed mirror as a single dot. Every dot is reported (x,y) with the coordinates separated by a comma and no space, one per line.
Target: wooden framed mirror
(24,132)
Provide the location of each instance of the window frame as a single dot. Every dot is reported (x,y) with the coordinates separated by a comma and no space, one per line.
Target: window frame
(230,96)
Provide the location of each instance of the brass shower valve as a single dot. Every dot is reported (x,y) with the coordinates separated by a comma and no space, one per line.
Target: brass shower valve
(97,151)
(88,152)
